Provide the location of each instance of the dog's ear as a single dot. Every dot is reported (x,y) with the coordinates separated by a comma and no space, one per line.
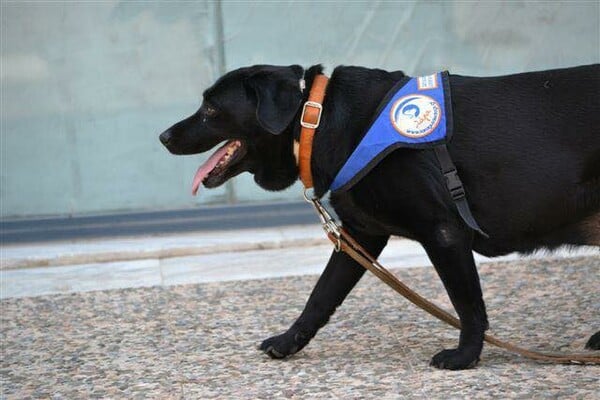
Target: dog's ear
(278,96)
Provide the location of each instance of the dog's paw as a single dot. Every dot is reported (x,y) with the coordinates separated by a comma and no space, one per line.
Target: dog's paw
(283,345)
(594,342)
(455,359)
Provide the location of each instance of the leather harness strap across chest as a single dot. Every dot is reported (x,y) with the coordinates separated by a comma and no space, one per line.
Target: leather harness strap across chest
(310,120)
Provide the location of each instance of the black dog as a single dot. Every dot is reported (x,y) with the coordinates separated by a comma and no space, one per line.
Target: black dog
(527,148)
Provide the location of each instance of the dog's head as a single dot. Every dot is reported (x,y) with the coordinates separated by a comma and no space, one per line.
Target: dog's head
(251,110)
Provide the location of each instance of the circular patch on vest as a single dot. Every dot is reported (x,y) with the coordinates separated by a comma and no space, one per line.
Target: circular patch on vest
(416,115)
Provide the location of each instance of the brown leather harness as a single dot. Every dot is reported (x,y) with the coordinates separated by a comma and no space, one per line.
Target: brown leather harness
(310,119)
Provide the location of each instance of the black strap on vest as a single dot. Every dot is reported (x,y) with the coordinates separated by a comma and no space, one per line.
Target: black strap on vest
(455,187)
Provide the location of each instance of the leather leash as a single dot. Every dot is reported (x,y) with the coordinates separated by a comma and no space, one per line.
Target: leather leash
(344,241)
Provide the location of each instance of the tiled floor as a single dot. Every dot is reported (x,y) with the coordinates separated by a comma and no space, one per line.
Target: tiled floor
(199,340)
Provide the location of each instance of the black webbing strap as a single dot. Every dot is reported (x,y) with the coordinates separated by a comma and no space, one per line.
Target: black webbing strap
(455,187)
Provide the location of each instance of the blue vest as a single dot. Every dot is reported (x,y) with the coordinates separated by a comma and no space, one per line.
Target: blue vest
(416,113)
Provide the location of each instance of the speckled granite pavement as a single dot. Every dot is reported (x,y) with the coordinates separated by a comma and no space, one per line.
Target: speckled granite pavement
(199,341)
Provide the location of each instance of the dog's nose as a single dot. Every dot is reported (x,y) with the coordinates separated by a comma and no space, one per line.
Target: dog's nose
(165,137)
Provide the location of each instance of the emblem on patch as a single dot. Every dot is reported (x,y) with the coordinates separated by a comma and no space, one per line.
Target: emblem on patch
(415,116)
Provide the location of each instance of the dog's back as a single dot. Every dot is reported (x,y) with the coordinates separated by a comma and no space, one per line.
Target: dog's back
(530,143)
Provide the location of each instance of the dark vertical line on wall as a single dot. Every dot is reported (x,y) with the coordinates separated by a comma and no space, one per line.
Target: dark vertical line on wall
(65,94)
(3,169)
(220,37)
(221,69)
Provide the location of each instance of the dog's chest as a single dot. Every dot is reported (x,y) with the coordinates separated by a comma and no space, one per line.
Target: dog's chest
(373,219)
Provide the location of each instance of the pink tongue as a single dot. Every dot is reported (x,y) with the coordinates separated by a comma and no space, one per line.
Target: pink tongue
(208,166)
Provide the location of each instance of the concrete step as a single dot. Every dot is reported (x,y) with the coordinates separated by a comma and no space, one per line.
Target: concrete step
(28,255)
(62,267)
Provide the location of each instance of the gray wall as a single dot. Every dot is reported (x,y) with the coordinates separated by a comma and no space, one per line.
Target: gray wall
(86,87)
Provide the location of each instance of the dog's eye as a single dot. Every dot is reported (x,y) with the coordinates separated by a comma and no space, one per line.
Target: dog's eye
(209,111)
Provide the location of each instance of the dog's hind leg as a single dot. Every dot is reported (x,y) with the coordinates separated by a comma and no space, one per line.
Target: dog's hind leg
(449,249)
(340,276)
(590,229)
(585,232)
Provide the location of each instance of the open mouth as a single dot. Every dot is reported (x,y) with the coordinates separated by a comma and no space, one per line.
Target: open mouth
(215,169)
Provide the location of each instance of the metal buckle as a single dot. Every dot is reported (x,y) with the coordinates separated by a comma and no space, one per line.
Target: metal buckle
(327,222)
(308,124)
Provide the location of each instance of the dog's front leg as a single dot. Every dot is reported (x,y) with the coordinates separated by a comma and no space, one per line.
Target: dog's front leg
(340,276)
(449,249)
